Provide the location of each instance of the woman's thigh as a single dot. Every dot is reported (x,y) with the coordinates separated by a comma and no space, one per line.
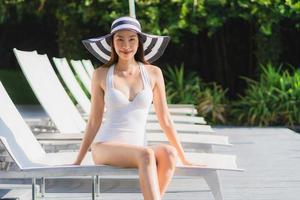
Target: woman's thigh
(116,154)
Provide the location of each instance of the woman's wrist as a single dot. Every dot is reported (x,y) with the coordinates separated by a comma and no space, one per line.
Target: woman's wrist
(183,159)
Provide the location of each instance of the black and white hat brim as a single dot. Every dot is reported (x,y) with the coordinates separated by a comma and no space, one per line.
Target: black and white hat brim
(154,46)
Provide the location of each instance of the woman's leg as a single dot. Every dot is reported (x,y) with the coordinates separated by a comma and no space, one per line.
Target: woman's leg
(123,155)
(166,156)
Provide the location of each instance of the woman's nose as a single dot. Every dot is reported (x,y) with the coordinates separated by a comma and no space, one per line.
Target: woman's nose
(125,44)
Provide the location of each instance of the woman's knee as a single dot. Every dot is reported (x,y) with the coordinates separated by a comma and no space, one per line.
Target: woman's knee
(146,156)
(168,154)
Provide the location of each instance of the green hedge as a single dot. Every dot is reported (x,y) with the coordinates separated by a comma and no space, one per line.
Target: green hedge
(272,100)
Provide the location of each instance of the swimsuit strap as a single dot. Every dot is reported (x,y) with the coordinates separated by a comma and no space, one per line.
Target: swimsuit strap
(145,76)
(109,77)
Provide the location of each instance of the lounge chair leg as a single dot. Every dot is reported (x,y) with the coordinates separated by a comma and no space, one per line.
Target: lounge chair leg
(93,188)
(42,187)
(213,182)
(97,186)
(33,189)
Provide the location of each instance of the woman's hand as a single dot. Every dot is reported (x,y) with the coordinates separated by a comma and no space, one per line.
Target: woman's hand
(188,163)
(76,163)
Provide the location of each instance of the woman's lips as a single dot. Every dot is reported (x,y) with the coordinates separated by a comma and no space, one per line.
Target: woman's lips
(126,52)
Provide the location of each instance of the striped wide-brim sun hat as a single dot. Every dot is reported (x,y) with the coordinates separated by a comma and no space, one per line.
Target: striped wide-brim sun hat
(154,45)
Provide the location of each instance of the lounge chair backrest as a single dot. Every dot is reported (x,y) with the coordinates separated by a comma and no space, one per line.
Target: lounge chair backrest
(17,133)
(69,78)
(67,108)
(88,65)
(50,92)
(83,76)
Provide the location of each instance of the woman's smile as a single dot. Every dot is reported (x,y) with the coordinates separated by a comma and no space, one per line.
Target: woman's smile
(126,52)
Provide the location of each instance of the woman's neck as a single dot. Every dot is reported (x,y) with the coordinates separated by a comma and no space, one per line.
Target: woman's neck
(126,65)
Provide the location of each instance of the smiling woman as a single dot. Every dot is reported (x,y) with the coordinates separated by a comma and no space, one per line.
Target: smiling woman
(126,85)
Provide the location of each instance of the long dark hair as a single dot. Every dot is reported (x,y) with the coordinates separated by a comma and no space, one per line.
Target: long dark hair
(139,55)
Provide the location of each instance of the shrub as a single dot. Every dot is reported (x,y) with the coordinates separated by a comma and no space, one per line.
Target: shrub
(273,99)
(212,103)
(209,98)
(181,88)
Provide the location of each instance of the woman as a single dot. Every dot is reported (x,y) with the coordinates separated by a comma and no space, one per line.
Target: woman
(126,86)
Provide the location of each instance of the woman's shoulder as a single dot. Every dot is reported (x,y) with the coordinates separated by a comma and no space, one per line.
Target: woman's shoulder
(152,69)
(154,72)
(100,72)
(99,76)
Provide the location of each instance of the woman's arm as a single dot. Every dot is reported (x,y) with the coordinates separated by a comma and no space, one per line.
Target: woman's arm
(96,114)
(162,112)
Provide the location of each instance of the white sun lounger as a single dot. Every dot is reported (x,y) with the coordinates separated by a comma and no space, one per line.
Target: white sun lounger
(152,118)
(179,105)
(34,162)
(184,128)
(58,165)
(49,91)
(179,119)
(82,74)
(179,111)
(88,65)
(191,141)
(28,154)
(69,78)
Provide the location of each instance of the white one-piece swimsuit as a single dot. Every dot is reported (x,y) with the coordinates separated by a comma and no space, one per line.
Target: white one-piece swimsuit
(125,120)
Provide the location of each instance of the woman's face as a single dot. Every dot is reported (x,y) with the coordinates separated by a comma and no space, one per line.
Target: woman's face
(126,43)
